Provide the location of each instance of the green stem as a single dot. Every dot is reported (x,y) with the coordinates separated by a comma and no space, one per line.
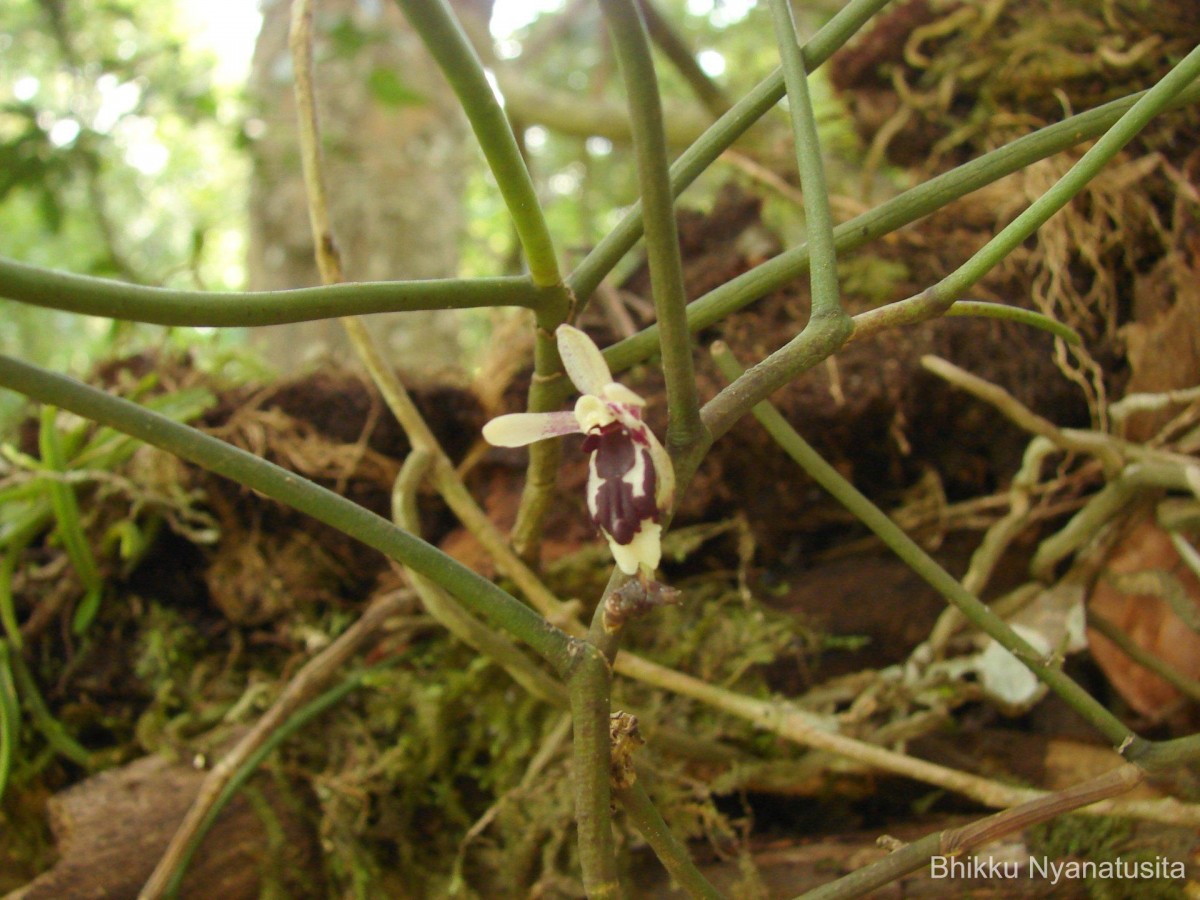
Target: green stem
(472,589)
(8,610)
(22,683)
(956,841)
(589,684)
(828,326)
(314,676)
(662,240)
(277,736)
(114,299)
(1166,755)
(927,568)
(548,386)
(817,342)
(445,478)
(983,310)
(10,715)
(447,43)
(427,456)
(890,216)
(300,42)
(937,298)
(818,219)
(675,48)
(218,309)
(449,612)
(69,522)
(673,854)
(892,867)
(697,158)
(1190,687)
(1103,506)
(599,634)
(55,733)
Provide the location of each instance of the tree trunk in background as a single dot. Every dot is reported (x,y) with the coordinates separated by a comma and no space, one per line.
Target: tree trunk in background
(397,150)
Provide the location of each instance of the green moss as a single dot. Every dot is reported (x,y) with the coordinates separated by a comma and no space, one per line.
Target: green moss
(1104,839)
(26,846)
(871,278)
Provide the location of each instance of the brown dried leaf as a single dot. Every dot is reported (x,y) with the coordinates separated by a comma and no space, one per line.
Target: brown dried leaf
(1147,618)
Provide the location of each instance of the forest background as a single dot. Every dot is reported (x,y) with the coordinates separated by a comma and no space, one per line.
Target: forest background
(133,148)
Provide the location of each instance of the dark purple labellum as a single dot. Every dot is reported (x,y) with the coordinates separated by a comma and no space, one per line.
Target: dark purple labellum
(621,490)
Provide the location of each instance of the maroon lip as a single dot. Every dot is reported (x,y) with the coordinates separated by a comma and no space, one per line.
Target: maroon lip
(619,500)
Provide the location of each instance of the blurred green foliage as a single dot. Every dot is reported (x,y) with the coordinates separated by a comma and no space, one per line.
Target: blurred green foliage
(118,158)
(587,183)
(116,148)
(122,155)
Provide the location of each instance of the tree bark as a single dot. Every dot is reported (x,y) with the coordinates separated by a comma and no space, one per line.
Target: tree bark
(397,153)
(112,828)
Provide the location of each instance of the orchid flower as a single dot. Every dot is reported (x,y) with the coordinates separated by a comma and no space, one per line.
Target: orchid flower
(631,482)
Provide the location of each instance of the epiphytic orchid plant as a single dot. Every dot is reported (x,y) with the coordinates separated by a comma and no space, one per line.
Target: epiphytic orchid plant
(631,482)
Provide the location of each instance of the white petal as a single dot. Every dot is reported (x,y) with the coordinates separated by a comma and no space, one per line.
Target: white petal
(583,360)
(664,493)
(519,429)
(644,550)
(615,392)
(592,412)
